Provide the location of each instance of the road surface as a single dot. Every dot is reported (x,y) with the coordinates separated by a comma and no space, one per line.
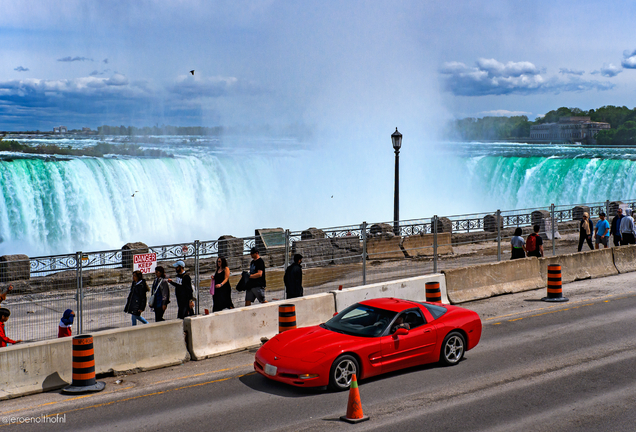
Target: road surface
(539,367)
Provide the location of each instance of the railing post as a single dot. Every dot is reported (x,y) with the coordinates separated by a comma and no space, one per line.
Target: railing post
(435,219)
(196,272)
(498,235)
(80,293)
(607,202)
(287,249)
(364,252)
(553,229)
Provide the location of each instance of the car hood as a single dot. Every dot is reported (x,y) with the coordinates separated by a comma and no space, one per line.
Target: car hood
(299,343)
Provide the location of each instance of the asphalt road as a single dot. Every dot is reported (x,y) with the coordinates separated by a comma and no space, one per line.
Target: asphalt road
(539,367)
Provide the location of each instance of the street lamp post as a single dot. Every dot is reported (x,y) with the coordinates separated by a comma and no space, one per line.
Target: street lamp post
(396,138)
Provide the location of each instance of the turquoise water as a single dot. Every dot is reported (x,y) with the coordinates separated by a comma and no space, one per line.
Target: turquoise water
(206,190)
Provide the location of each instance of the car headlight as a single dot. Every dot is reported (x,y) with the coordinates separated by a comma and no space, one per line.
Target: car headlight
(314,357)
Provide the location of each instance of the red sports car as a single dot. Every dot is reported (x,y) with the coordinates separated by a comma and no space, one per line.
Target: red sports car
(369,338)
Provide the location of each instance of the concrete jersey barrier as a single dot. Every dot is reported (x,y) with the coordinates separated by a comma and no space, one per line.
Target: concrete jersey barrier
(237,329)
(408,289)
(487,280)
(140,347)
(581,265)
(35,367)
(625,258)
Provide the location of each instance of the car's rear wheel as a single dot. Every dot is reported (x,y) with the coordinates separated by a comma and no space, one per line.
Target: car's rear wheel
(453,348)
(341,372)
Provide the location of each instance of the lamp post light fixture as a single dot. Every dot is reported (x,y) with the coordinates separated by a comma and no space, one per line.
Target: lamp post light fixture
(396,139)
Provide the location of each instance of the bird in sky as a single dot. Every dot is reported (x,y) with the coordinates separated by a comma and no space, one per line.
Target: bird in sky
(133,195)
(192,71)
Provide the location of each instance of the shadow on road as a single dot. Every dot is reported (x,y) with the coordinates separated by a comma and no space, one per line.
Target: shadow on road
(259,383)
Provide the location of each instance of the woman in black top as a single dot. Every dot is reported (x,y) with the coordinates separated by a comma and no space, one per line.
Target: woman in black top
(221,291)
(136,302)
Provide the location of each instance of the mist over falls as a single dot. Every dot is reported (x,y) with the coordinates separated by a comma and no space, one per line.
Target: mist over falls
(63,206)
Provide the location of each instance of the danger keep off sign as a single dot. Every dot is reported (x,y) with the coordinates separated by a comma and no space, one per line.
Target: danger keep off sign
(145,263)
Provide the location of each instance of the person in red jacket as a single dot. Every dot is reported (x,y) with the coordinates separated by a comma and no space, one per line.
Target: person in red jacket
(4,317)
(66,323)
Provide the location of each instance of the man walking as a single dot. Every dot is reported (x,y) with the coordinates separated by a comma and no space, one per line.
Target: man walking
(616,226)
(294,278)
(627,228)
(602,231)
(256,286)
(534,243)
(182,288)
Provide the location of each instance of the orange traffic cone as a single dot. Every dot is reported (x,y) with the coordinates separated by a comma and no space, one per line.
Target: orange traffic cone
(354,407)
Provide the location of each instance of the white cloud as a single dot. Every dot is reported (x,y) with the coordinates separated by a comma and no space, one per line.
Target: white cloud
(21,69)
(491,77)
(504,113)
(629,59)
(568,71)
(608,70)
(74,59)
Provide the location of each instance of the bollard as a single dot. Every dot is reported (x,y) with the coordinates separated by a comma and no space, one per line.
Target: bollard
(83,367)
(339,287)
(286,317)
(555,284)
(433,292)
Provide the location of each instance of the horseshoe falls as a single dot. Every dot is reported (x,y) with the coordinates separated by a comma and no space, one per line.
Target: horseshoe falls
(84,203)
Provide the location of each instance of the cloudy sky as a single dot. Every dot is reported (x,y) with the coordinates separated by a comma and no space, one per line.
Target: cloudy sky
(327,64)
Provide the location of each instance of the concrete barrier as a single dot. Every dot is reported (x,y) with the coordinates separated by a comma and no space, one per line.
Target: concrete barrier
(35,367)
(408,289)
(581,265)
(237,329)
(625,258)
(487,280)
(422,245)
(139,348)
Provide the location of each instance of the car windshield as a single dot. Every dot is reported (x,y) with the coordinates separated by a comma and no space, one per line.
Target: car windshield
(361,320)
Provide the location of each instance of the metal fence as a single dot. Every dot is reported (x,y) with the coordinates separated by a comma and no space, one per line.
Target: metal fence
(96,284)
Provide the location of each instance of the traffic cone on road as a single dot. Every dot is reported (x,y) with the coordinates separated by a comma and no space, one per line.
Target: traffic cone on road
(354,407)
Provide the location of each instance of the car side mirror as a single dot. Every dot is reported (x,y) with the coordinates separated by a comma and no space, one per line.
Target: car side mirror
(401,332)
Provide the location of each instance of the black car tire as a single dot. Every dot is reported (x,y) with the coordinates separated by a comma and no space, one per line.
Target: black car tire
(453,349)
(341,370)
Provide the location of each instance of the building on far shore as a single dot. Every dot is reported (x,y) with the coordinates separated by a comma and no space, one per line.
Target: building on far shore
(574,129)
(60,130)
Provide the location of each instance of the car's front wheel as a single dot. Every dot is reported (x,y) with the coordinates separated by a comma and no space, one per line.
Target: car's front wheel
(341,372)
(453,348)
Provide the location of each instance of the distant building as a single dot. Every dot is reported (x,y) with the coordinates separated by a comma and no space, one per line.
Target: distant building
(575,129)
(60,130)
(86,130)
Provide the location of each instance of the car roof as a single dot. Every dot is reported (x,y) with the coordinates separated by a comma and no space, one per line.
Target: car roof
(390,303)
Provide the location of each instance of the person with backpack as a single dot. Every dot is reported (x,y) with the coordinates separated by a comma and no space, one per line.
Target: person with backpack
(294,278)
(534,243)
(159,294)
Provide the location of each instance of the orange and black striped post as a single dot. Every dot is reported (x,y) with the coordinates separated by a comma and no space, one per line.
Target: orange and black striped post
(286,317)
(433,292)
(84,367)
(555,284)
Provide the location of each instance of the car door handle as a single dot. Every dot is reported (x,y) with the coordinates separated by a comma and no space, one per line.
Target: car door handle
(427,331)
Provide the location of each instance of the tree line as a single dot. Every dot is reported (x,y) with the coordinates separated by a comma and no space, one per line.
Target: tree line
(621,119)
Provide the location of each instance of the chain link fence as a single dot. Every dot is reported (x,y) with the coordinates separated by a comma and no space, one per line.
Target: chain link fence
(96,285)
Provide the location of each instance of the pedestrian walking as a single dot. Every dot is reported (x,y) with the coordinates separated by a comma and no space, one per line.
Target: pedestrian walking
(4,291)
(602,231)
(616,226)
(293,278)
(256,286)
(136,302)
(220,287)
(66,324)
(518,245)
(534,243)
(628,233)
(4,317)
(182,288)
(585,232)
(159,294)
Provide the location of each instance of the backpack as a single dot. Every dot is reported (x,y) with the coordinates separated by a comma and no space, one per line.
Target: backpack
(531,243)
(242,284)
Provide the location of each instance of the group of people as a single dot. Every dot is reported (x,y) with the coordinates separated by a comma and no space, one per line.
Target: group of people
(621,229)
(532,246)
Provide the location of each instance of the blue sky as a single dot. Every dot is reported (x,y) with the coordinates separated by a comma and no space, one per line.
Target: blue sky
(354,65)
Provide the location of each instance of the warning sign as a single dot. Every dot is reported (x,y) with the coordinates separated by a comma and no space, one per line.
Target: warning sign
(145,263)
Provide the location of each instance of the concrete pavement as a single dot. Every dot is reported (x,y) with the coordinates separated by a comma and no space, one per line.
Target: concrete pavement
(540,366)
